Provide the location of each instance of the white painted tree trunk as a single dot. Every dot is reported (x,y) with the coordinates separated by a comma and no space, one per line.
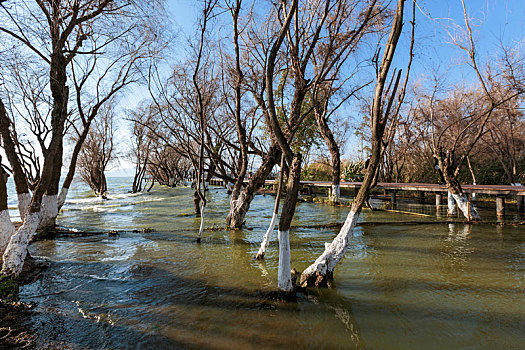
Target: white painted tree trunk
(206,185)
(451,203)
(266,238)
(235,207)
(201,228)
(335,194)
(49,211)
(15,253)
(284,274)
(6,230)
(62,196)
(334,252)
(468,210)
(24,200)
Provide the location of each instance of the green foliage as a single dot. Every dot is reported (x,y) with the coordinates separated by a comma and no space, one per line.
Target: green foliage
(353,171)
(8,288)
(317,172)
(490,172)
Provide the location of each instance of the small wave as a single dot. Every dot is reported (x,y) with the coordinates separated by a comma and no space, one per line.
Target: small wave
(108,209)
(124,195)
(148,200)
(68,229)
(85,200)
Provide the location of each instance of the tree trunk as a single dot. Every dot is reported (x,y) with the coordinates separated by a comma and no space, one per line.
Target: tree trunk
(209,176)
(451,204)
(267,235)
(49,212)
(473,177)
(284,276)
(201,228)
(22,190)
(72,166)
(240,206)
(449,168)
(103,185)
(6,226)
(49,209)
(333,147)
(322,269)
(15,253)
(241,130)
(24,200)
(196,203)
(468,210)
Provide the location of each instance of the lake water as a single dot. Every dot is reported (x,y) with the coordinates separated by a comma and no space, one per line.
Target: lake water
(433,286)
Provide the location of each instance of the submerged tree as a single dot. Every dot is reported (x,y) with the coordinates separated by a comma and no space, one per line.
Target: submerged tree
(383,109)
(140,145)
(97,152)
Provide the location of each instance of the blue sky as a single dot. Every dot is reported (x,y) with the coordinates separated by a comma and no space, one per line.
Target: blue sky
(492,22)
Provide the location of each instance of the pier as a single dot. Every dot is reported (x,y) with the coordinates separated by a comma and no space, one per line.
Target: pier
(501,192)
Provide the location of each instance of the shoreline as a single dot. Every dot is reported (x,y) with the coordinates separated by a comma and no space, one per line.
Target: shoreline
(16,328)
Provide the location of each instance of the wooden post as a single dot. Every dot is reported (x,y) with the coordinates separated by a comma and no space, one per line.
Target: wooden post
(393,198)
(520,203)
(421,197)
(438,200)
(438,204)
(500,206)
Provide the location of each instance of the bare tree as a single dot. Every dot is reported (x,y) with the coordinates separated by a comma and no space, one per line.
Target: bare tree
(452,154)
(140,145)
(345,35)
(98,151)
(382,110)
(54,33)
(269,231)
(236,111)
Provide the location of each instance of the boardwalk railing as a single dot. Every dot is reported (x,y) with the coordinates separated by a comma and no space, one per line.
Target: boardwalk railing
(500,191)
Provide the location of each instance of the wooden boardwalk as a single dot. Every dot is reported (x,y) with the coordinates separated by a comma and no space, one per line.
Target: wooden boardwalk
(499,191)
(495,190)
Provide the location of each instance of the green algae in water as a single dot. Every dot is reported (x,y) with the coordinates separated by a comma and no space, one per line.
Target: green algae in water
(9,288)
